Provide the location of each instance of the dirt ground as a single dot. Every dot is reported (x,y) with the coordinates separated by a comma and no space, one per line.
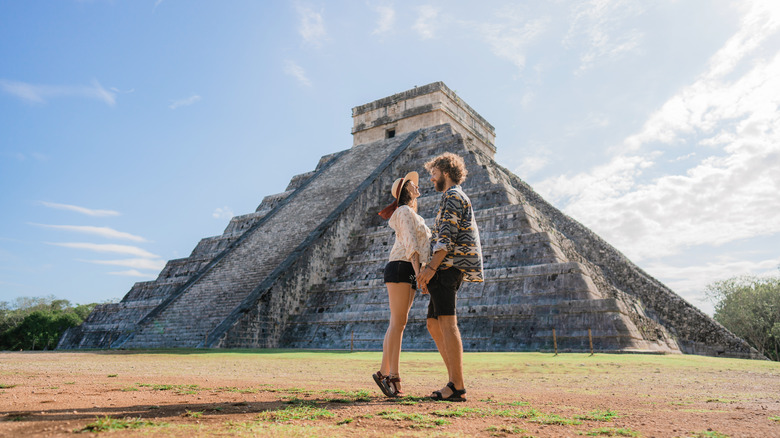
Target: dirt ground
(295,393)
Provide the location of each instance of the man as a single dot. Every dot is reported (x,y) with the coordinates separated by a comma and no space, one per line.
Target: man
(456,257)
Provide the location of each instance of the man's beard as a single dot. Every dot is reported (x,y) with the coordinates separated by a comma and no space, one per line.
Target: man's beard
(441,182)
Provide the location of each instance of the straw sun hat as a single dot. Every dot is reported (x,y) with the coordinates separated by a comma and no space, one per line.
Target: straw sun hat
(395,190)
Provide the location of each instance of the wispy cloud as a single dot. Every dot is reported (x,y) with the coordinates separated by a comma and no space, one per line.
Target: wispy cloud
(34,93)
(107,248)
(293,69)
(512,34)
(386,20)
(82,210)
(184,102)
(532,164)
(427,21)
(690,281)
(106,232)
(311,26)
(132,273)
(729,114)
(37,156)
(223,213)
(597,28)
(136,263)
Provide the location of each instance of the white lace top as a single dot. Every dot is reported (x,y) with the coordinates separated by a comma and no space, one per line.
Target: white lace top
(411,235)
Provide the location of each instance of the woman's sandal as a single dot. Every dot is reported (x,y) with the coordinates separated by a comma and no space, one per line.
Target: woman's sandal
(381,381)
(456,396)
(393,382)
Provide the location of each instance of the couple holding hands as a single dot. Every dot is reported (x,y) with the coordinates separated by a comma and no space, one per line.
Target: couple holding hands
(437,261)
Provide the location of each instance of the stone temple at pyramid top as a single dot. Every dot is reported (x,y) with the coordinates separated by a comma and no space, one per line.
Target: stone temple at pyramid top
(421,107)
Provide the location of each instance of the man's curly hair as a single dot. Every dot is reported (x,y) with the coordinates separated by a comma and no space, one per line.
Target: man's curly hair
(451,164)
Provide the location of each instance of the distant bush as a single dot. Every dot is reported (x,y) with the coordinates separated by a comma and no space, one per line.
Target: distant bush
(38,323)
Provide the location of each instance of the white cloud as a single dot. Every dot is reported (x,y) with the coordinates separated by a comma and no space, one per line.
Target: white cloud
(512,34)
(107,248)
(427,21)
(137,263)
(223,213)
(293,69)
(184,102)
(701,107)
(106,232)
(312,26)
(532,164)
(82,210)
(597,29)
(691,281)
(132,273)
(730,115)
(386,20)
(33,93)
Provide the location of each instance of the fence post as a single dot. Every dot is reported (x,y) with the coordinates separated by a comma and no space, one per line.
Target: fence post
(555,343)
(590,339)
(352,342)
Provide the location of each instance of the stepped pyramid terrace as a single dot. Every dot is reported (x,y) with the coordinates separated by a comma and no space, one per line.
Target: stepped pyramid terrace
(305,269)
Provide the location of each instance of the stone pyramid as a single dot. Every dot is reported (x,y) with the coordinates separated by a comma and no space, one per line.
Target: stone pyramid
(305,269)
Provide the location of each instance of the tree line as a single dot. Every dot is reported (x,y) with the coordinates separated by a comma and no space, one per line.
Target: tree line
(35,323)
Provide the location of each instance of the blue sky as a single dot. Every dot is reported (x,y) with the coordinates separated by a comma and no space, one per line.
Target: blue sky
(129,130)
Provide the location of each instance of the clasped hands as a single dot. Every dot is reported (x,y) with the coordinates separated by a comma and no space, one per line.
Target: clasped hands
(424,277)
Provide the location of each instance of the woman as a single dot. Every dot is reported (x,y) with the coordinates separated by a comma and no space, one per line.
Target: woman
(411,248)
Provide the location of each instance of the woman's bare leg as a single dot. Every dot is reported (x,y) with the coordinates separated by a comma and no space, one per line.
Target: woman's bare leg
(401,297)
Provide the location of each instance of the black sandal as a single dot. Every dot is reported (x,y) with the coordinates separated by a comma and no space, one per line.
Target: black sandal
(381,381)
(393,382)
(456,396)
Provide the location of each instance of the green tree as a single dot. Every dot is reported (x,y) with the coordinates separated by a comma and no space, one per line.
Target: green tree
(749,307)
(35,323)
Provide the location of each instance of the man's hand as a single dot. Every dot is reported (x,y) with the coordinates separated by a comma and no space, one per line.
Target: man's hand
(424,277)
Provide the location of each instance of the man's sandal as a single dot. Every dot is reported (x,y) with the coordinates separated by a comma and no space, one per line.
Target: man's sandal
(381,381)
(456,396)
(393,382)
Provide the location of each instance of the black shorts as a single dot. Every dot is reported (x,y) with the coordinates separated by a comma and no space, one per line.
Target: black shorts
(399,271)
(443,289)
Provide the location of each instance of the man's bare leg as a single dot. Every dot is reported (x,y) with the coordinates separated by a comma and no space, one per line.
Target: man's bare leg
(435,330)
(453,346)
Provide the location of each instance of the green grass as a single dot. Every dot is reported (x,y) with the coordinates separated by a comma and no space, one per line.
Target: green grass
(347,396)
(113,375)
(612,431)
(108,423)
(16,418)
(456,412)
(129,389)
(298,412)
(6,386)
(240,390)
(775,418)
(554,419)
(607,415)
(192,414)
(417,420)
(180,389)
(505,430)
(709,434)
